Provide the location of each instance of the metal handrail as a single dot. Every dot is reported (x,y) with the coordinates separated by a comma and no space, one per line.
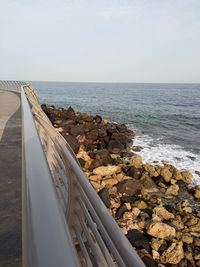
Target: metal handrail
(96,236)
(46,236)
(14,86)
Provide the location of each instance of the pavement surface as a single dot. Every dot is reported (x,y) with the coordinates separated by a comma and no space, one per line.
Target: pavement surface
(10,179)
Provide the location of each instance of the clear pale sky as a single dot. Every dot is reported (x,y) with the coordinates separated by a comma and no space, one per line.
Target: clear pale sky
(100,40)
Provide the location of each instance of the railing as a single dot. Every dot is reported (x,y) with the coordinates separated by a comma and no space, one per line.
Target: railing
(74,218)
(11,85)
(46,237)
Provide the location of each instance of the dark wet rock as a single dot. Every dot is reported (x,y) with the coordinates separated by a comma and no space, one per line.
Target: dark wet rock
(69,113)
(127,154)
(77,129)
(181,184)
(98,119)
(139,240)
(95,163)
(169,208)
(102,132)
(127,199)
(137,148)
(149,211)
(149,262)
(89,146)
(102,155)
(106,139)
(134,172)
(88,119)
(101,144)
(82,162)
(163,247)
(198,173)
(92,135)
(115,146)
(122,138)
(120,211)
(71,140)
(190,264)
(68,123)
(122,128)
(130,187)
(104,195)
(111,128)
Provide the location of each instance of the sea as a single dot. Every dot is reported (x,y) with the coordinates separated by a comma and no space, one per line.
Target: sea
(165,117)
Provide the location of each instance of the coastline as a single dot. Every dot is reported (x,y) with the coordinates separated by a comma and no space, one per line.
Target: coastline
(149,202)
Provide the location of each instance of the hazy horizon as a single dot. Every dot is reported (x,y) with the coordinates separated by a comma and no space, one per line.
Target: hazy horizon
(40,81)
(129,41)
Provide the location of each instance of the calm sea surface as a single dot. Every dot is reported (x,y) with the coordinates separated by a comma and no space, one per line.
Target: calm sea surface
(166,117)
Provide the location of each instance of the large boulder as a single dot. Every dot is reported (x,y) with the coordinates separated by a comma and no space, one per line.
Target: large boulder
(98,119)
(172,190)
(120,211)
(176,174)
(197,192)
(102,132)
(77,129)
(107,170)
(139,240)
(69,113)
(92,135)
(134,172)
(102,155)
(187,176)
(136,161)
(71,140)
(122,138)
(149,262)
(161,230)
(104,195)
(174,254)
(148,185)
(95,163)
(115,147)
(130,187)
(166,174)
(163,213)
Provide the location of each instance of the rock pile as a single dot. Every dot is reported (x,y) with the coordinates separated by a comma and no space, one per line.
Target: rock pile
(155,205)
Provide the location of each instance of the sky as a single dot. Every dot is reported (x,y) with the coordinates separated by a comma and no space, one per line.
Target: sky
(100,40)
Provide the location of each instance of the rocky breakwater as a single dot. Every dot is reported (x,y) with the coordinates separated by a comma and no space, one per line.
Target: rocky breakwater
(156,206)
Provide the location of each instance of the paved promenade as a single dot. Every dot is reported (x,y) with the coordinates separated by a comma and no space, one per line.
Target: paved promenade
(10,179)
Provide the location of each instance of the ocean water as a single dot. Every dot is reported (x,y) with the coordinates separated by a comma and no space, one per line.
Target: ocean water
(165,117)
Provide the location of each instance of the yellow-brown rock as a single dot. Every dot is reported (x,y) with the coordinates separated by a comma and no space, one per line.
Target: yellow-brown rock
(109,181)
(163,213)
(172,190)
(174,254)
(197,192)
(187,176)
(140,204)
(176,174)
(95,177)
(136,161)
(107,170)
(187,238)
(166,174)
(161,230)
(148,185)
(156,243)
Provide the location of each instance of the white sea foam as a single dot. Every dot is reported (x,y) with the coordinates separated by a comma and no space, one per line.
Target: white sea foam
(154,150)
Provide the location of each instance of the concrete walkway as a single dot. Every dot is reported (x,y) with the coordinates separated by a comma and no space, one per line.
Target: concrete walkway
(10,179)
